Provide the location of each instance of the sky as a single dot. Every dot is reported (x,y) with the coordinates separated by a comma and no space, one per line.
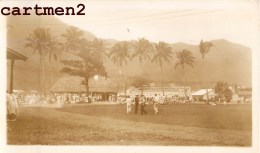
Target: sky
(170,21)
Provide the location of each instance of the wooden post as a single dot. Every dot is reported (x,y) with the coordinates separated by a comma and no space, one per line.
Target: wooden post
(11,76)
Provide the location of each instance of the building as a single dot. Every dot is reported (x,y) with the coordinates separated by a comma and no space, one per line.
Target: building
(201,95)
(243,95)
(101,88)
(12,56)
(150,90)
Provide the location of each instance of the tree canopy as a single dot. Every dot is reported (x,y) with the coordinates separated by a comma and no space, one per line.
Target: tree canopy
(90,64)
(184,57)
(205,47)
(119,53)
(223,91)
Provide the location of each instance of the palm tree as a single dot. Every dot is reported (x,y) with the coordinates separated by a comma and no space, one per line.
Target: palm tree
(73,38)
(142,49)
(43,42)
(120,55)
(99,48)
(163,52)
(185,57)
(204,49)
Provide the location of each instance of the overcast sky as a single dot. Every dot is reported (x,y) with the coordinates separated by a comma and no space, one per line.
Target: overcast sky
(170,21)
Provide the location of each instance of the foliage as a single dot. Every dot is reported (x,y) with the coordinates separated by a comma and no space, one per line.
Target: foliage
(142,49)
(84,69)
(223,91)
(184,57)
(163,52)
(140,82)
(99,47)
(205,47)
(73,40)
(43,42)
(91,63)
(119,54)
(228,95)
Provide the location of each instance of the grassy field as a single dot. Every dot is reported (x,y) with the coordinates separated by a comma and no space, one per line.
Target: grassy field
(185,125)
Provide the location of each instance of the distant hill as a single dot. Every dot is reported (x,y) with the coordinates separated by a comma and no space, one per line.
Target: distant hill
(226,61)
(27,74)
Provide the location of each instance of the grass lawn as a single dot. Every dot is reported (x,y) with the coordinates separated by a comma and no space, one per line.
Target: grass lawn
(202,125)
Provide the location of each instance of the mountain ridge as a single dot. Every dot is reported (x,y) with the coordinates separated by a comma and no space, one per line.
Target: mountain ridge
(226,61)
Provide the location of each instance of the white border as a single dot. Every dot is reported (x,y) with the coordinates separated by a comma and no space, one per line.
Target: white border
(152,149)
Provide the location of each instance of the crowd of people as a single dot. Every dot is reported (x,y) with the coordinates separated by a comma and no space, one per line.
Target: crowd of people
(14,99)
(59,98)
(168,99)
(69,98)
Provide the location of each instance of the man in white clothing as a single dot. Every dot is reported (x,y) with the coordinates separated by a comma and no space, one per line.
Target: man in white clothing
(128,104)
(156,103)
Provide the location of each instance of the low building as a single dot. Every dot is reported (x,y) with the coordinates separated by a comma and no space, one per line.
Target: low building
(244,95)
(150,90)
(102,89)
(201,95)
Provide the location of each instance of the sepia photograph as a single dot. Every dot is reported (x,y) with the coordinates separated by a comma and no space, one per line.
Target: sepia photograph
(135,74)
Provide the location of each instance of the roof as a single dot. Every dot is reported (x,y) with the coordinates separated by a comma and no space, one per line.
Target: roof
(74,84)
(11,54)
(201,92)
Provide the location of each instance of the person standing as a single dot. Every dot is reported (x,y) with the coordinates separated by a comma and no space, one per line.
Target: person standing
(136,103)
(142,101)
(59,100)
(12,107)
(155,104)
(8,106)
(128,104)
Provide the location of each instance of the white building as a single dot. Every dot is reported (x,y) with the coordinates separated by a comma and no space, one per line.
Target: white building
(152,89)
(201,94)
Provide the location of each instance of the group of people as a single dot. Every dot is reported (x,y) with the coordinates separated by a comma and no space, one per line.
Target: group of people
(142,101)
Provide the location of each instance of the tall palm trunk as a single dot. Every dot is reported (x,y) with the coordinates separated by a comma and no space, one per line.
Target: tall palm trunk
(141,78)
(183,79)
(205,78)
(125,81)
(162,77)
(123,77)
(42,63)
(87,87)
(52,71)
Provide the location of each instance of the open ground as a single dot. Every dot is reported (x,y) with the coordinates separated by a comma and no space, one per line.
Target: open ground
(176,125)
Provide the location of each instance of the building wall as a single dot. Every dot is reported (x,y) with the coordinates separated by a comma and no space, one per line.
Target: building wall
(151,91)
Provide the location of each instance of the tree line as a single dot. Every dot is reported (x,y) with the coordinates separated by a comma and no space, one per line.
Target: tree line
(94,53)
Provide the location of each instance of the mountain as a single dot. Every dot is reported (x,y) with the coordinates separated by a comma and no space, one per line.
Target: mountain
(27,74)
(226,61)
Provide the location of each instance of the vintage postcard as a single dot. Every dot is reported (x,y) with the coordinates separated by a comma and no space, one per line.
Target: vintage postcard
(132,76)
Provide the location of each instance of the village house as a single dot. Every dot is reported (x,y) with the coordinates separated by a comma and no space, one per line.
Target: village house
(101,89)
